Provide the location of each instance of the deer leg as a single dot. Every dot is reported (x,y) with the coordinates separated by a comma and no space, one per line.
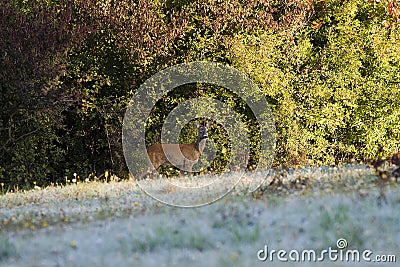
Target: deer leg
(187,166)
(150,171)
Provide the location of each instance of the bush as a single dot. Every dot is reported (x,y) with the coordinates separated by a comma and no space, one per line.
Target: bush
(34,34)
(333,86)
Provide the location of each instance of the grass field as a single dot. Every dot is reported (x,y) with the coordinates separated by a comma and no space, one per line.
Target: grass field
(116,224)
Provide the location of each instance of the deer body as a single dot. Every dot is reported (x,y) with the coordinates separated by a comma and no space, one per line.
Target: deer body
(179,155)
(185,155)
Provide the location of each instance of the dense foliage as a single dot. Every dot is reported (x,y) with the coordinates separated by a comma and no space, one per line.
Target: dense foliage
(329,69)
(334,86)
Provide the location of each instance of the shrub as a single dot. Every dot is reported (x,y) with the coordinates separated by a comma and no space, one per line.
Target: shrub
(333,86)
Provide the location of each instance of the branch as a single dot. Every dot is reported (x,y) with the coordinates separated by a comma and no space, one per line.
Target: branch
(19,138)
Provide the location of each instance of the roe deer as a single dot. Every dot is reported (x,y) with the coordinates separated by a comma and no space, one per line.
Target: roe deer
(180,155)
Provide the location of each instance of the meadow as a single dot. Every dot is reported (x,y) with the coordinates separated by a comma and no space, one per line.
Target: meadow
(117,224)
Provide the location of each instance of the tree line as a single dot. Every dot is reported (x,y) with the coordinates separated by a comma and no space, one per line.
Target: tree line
(329,70)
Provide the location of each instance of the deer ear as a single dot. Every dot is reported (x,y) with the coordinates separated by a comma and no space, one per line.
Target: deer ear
(208,124)
(196,124)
